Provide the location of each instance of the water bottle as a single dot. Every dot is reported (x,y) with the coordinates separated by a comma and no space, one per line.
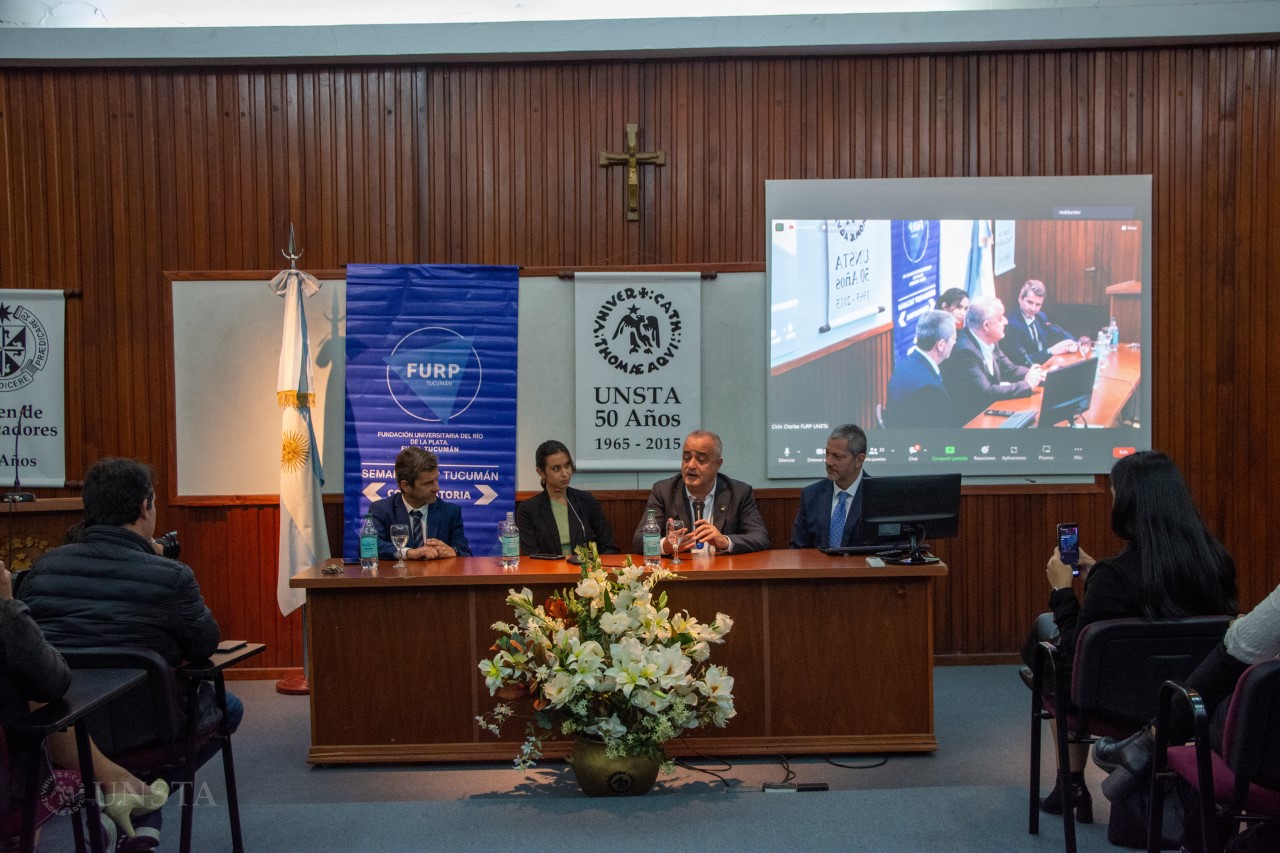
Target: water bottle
(1113,332)
(368,545)
(651,533)
(509,536)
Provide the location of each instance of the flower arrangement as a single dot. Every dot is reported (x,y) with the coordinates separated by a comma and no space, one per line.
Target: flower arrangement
(607,659)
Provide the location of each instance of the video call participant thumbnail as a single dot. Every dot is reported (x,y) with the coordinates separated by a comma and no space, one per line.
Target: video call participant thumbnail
(916,395)
(978,373)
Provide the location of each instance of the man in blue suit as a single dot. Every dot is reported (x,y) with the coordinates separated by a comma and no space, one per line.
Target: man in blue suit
(917,397)
(435,526)
(1031,338)
(831,509)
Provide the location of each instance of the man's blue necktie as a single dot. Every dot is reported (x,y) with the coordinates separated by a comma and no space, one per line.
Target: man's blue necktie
(415,528)
(837,520)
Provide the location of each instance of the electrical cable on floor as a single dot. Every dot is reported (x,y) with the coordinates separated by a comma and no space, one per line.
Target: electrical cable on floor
(884,759)
(680,762)
(786,766)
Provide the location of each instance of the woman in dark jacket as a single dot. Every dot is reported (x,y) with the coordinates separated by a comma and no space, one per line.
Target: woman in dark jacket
(1170,567)
(560,519)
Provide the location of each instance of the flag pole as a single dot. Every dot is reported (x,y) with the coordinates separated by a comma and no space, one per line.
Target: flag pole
(304,541)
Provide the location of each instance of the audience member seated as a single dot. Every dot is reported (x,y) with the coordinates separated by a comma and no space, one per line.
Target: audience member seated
(32,673)
(978,373)
(113,589)
(1031,338)
(1171,567)
(435,525)
(1253,638)
(717,510)
(560,519)
(916,396)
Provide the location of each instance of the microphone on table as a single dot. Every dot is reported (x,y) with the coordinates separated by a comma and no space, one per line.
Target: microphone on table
(17,496)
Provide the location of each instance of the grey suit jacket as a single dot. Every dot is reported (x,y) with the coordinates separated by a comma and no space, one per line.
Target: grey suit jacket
(734,513)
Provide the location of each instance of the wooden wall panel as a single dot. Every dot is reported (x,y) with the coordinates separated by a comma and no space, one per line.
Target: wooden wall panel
(109,177)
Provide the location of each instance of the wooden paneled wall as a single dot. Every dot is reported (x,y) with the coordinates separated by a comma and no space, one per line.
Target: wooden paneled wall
(110,177)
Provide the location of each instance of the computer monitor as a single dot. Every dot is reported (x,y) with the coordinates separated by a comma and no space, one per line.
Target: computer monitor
(1068,392)
(907,509)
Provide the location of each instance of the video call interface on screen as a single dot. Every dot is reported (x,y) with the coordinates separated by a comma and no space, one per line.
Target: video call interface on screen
(1059,386)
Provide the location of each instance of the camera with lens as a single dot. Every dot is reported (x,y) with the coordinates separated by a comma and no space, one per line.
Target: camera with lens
(169,545)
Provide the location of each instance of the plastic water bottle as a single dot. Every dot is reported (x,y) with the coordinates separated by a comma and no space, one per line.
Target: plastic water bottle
(368,545)
(1113,332)
(651,533)
(509,536)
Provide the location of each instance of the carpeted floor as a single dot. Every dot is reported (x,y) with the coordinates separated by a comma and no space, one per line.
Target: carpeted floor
(970,795)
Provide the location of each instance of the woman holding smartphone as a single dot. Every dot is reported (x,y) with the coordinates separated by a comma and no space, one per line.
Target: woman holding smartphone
(1170,567)
(560,519)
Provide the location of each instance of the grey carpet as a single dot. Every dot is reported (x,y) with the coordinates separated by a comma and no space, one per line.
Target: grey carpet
(970,795)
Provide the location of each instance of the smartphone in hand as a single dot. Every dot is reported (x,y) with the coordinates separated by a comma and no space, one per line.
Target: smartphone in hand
(1069,545)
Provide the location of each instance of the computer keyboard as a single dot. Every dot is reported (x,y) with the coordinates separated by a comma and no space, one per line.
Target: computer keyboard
(863,550)
(1020,420)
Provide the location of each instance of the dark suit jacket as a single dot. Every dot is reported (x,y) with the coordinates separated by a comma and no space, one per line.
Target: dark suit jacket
(969,385)
(444,522)
(917,397)
(735,513)
(1017,342)
(813,521)
(538,531)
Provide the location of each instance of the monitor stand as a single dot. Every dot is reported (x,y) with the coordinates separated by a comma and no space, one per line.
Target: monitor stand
(917,555)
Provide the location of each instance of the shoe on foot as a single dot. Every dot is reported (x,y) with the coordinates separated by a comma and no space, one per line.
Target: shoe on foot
(1052,804)
(1128,761)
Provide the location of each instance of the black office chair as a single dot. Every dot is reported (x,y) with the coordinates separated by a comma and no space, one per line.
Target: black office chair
(1112,689)
(21,779)
(1240,783)
(153,730)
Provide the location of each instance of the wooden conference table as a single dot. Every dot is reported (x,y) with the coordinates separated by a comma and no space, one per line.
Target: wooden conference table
(828,655)
(1119,373)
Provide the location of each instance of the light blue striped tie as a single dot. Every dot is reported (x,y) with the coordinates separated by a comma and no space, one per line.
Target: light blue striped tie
(837,520)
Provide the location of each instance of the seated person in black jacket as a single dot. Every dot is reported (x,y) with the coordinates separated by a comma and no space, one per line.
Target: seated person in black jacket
(112,589)
(560,519)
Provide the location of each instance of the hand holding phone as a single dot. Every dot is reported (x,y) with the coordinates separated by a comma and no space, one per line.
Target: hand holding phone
(1069,545)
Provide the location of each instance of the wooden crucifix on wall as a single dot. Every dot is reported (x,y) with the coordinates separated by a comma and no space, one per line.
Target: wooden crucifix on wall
(633,158)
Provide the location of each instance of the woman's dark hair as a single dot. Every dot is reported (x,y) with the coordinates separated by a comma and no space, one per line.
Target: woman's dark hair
(549,448)
(951,297)
(1185,571)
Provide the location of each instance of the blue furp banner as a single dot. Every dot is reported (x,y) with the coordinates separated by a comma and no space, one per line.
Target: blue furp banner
(431,362)
(915,278)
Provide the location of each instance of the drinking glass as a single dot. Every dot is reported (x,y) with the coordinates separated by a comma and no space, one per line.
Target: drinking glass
(675,532)
(1084,343)
(400,538)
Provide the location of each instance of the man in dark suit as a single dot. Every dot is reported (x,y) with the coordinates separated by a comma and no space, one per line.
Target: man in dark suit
(978,373)
(1031,338)
(831,509)
(916,395)
(718,511)
(435,526)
